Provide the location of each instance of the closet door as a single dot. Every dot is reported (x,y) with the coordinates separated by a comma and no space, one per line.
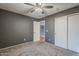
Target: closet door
(73,32)
(61,32)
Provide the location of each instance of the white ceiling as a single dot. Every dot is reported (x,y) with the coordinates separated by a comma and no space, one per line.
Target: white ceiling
(21,8)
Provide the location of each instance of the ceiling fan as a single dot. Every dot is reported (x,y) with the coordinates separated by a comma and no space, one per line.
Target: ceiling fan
(40,6)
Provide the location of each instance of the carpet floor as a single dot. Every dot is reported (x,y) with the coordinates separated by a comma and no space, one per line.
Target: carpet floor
(36,49)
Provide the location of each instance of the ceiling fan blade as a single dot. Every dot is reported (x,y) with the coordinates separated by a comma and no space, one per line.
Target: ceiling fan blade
(30,10)
(29,4)
(48,7)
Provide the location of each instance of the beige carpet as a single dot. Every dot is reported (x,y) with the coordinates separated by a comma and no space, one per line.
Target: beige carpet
(36,49)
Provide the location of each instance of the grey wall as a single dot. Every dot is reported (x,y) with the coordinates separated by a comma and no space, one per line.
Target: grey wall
(14,28)
(50,23)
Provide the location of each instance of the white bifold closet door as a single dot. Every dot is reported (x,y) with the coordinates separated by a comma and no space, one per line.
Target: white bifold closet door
(73,32)
(61,32)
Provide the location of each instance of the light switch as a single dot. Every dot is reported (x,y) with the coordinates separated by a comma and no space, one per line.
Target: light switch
(24,39)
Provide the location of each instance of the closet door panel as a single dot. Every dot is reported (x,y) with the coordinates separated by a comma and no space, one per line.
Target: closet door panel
(73,32)
(61,32)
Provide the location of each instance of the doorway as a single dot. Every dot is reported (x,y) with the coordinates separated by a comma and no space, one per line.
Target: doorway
(42,31)
(39,31)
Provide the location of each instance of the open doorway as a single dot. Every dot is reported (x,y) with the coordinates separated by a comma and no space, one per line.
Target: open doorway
(39,31)
(42,30)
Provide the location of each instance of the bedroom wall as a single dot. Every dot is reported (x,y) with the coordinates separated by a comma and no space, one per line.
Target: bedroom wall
(14,28)
(50,24)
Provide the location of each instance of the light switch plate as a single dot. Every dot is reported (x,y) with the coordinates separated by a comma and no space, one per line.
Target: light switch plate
(24,39)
